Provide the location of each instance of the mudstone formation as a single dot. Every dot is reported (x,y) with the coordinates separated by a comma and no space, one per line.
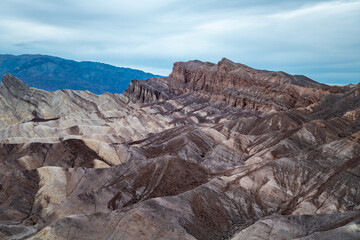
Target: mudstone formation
(213,151)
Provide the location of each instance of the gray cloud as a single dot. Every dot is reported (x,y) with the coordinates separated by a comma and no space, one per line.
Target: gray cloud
(320,39)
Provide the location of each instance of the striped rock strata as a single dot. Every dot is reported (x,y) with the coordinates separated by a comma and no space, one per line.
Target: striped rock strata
(214,151)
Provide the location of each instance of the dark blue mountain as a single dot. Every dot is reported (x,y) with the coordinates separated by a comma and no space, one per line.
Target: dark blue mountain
(54,73)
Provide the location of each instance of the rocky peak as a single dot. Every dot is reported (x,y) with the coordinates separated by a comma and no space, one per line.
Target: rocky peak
(226,65)
(14,85)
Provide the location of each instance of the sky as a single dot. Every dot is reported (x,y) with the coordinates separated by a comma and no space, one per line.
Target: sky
(319,39)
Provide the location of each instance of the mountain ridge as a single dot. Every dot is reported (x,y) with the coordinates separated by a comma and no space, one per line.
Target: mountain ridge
(55,73)
(235,84)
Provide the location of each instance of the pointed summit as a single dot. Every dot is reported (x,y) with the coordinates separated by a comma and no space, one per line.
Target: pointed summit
(14,85)
(225,60)
(226,65)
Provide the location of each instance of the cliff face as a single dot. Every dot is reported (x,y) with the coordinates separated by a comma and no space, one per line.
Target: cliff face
(214,151)
(148,91)
(236,85)
(242,86)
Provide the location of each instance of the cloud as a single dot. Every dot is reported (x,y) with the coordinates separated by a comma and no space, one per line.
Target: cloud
(316,38)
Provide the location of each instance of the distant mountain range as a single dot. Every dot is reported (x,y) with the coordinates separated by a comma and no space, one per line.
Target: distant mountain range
(54,73)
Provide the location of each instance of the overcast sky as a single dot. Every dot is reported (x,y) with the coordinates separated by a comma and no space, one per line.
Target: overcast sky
(320,39)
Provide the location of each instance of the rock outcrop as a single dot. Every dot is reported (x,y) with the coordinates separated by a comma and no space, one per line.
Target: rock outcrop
(214,151)
(235,84)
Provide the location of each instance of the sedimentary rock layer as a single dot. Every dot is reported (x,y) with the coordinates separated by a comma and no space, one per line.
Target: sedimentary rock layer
(214,151)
